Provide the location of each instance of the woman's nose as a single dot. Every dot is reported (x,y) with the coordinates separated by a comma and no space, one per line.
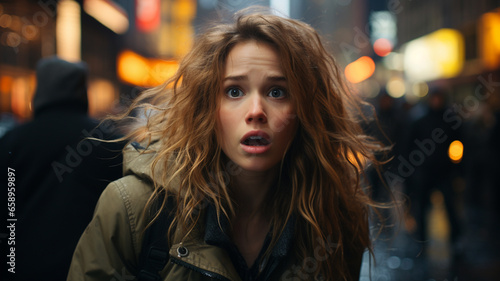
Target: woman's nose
(256,112)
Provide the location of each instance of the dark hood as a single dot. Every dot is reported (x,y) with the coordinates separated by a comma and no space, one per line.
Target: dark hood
(60,84)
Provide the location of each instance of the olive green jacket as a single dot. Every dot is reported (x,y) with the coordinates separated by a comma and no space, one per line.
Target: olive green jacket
(110,247)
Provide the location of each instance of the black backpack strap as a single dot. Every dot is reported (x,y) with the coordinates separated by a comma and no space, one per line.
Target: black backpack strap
(154,253)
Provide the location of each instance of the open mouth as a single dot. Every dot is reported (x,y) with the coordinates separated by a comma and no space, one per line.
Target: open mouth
(255,141)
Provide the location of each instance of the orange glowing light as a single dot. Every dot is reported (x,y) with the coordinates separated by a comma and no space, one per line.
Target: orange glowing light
(20,97)
(456,151)
(5,84)
(132,68)
(489,42)
(140,71)
(102,96)
(382,47)
(360,69)
(5,87)
(184,10)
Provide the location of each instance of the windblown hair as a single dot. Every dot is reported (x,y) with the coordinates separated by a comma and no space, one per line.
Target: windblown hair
(320,181)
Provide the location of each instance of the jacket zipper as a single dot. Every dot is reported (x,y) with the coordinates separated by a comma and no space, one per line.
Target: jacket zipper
(199,270)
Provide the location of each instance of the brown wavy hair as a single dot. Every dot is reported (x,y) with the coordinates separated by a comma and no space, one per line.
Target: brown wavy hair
(320,176)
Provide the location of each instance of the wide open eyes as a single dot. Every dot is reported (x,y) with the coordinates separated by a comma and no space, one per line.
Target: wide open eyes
(234,93)
(276,93)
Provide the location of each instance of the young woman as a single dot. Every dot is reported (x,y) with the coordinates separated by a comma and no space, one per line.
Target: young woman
(256,141)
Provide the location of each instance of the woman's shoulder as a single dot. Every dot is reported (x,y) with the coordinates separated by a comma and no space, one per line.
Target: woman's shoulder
(122,203)
(112,240)
(132,190)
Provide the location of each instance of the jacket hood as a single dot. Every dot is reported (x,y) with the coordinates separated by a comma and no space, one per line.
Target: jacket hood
(60,83)
(138,160)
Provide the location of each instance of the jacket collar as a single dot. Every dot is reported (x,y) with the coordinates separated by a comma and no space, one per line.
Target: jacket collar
(207,250)
(195,254)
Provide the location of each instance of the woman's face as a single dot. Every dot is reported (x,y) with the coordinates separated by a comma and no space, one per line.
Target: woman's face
(256,119)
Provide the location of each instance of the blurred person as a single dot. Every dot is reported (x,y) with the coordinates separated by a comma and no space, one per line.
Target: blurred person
(493,143)
(250,156)
(481,196)
(430,137)
(479,160)
(482,193)
(58,171)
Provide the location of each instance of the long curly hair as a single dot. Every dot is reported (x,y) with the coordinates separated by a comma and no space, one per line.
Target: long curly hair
(320,182)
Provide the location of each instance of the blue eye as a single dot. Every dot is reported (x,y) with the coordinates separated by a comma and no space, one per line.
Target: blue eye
(277,93)
(234,93)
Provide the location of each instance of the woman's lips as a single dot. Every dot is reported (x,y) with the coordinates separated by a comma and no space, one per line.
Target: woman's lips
(255,142)
(255,149)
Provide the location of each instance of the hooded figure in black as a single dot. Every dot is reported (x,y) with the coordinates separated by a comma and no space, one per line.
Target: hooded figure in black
(57,174)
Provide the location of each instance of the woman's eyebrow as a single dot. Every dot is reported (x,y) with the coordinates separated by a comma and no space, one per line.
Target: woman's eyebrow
(276,78)
(236,78)
(245,77)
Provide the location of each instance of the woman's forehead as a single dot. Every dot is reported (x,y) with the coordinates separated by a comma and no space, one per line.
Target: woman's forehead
(251,55)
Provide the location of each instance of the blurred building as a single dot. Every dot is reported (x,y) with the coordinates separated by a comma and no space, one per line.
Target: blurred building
(432,43)
(476,25)
(133,44)
(31,29)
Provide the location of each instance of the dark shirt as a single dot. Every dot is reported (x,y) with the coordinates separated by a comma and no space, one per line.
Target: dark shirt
(261,269)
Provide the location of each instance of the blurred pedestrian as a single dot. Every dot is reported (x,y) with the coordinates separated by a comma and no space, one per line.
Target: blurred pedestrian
(58,172)
(430,138)
(493,143)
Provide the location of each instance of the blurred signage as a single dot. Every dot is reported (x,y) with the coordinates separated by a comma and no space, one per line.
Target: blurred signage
(147,15)
(68,30)
(489,39)
(437,55)
(108,13)
(144,72)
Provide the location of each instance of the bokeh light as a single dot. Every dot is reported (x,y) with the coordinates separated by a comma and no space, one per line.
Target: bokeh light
(140,71)
(439,54)
(360,69)
(420,89)
(382,47)
(456,151)
(396,87)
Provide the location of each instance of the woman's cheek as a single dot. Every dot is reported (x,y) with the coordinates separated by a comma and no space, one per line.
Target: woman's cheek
(284,120)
